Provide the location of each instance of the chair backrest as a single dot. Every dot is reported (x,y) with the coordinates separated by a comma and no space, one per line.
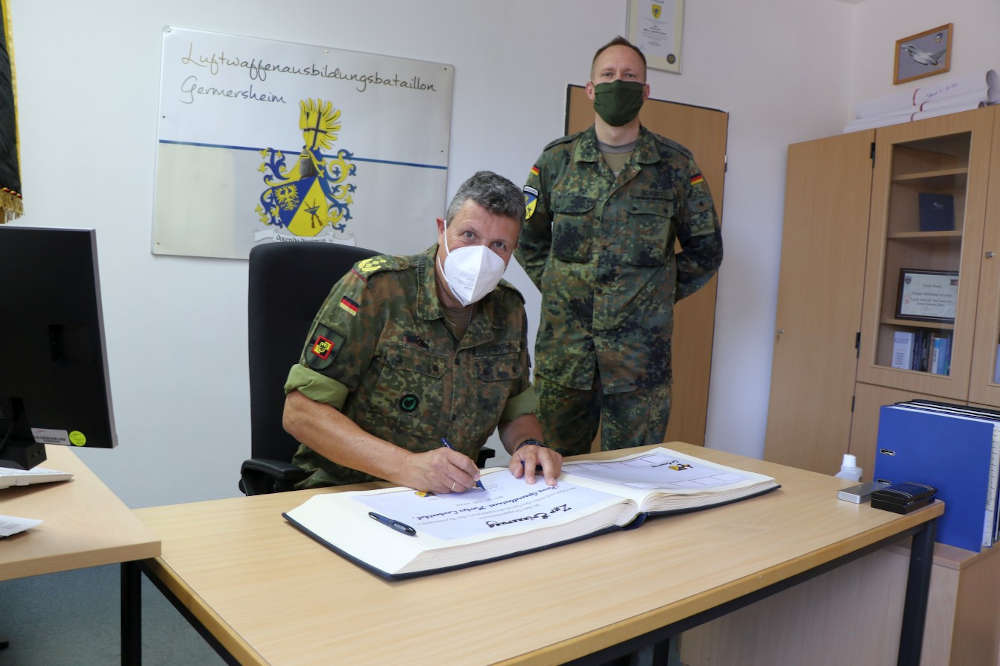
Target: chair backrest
(288,283)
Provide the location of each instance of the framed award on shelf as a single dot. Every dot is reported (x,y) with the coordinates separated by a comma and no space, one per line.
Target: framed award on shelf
(927,295)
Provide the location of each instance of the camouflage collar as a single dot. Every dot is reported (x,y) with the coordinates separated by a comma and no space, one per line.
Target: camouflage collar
(645,151)
(429,307)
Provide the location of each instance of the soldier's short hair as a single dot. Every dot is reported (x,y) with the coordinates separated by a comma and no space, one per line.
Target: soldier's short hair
(493,192)
(618,41)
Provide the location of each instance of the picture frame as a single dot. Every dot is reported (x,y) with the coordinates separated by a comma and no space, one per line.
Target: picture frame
(656,27)
(924,54)
(927,295)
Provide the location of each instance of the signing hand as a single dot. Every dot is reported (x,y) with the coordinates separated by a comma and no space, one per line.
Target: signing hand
(441,471)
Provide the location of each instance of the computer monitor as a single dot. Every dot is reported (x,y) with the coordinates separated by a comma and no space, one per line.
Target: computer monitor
(54,385)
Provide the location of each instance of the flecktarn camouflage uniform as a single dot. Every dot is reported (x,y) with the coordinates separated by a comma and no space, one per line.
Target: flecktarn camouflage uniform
(600,247)
(379,352)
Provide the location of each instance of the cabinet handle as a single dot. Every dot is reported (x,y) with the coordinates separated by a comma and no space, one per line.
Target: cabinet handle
(989,254)
(779,332)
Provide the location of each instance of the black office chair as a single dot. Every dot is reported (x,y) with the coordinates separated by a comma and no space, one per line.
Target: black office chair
(287,285)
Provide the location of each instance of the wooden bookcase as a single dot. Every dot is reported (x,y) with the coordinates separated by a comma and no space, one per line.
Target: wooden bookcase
(852,225)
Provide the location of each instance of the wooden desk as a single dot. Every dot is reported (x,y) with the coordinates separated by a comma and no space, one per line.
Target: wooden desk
(84,525)
(268,594)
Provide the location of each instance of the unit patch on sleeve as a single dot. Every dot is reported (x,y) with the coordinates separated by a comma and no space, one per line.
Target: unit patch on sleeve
(530,198)
(323,348)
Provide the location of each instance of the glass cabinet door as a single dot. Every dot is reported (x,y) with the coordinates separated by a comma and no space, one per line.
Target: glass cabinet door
(984,386)
(925,235)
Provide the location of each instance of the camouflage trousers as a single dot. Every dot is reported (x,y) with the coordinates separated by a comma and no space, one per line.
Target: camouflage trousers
(570,417)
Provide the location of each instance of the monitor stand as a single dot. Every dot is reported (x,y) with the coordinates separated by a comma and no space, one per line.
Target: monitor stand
(22,456)
(17,449)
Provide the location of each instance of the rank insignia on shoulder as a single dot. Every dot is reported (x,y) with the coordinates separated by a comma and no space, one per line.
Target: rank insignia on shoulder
(372,264)
(322,347)
(530,199)
(349,306)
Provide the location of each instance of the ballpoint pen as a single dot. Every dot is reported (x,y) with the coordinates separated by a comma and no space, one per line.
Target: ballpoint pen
(445,442)
(394,524)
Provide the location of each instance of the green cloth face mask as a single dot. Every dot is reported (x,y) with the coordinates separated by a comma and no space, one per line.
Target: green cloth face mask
(618,102)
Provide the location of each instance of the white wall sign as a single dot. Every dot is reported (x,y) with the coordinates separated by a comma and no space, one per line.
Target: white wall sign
(261,141)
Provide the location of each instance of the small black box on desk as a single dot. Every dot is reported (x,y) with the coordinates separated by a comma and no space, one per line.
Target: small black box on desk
(903,497)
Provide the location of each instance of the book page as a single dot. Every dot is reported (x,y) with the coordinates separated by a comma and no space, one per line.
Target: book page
(508,505)
(659,469)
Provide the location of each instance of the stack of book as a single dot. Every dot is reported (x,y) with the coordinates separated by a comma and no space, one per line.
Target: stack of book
(954,448)
(924,350)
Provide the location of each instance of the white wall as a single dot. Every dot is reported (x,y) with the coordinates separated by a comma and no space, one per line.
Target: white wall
(877,24)
(88,77)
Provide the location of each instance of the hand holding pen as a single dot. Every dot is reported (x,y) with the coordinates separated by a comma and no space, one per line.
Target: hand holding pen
(479,484)
(439,471)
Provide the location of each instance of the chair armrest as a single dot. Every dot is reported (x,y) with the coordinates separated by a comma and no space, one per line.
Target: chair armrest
(485,454)
(260,476)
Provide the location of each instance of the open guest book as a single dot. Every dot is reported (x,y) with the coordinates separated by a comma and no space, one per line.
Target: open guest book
(399,533)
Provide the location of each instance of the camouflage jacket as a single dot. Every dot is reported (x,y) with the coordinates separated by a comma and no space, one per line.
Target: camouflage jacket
(601,250)
(379,352)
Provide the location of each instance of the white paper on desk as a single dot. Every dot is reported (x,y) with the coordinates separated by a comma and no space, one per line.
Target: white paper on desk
(10,525)
(509,505)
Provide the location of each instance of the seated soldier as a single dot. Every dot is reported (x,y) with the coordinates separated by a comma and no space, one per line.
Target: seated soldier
(409,351)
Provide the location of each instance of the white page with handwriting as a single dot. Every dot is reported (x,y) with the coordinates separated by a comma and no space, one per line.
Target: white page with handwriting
(508,505)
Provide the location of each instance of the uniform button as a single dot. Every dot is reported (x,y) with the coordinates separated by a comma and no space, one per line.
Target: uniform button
(454,416)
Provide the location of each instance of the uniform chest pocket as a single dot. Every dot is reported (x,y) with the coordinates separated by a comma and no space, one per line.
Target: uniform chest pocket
(572,226)
(650,223)
(498,367)
(409,392)
(496,377)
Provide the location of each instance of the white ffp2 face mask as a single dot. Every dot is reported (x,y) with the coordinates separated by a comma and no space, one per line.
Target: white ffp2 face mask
(471,271)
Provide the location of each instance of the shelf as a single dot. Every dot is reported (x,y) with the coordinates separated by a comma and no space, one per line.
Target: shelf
(912,323)
(924,235)
(934,173)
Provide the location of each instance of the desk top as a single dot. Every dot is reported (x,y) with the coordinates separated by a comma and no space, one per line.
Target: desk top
(270,594)
(84,524)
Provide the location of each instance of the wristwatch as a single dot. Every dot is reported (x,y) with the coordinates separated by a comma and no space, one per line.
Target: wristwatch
(531,442)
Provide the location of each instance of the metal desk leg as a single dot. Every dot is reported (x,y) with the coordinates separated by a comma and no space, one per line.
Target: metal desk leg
(918,585)
(131,614)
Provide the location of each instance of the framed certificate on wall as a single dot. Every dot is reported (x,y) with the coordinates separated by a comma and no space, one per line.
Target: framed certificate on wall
(655,26)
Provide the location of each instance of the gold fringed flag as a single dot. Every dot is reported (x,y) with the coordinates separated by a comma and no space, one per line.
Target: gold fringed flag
(10,176)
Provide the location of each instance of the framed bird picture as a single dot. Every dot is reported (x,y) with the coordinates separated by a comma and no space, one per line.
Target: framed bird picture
(924,54)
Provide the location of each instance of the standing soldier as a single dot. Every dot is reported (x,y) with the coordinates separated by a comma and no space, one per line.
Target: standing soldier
(604,208)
